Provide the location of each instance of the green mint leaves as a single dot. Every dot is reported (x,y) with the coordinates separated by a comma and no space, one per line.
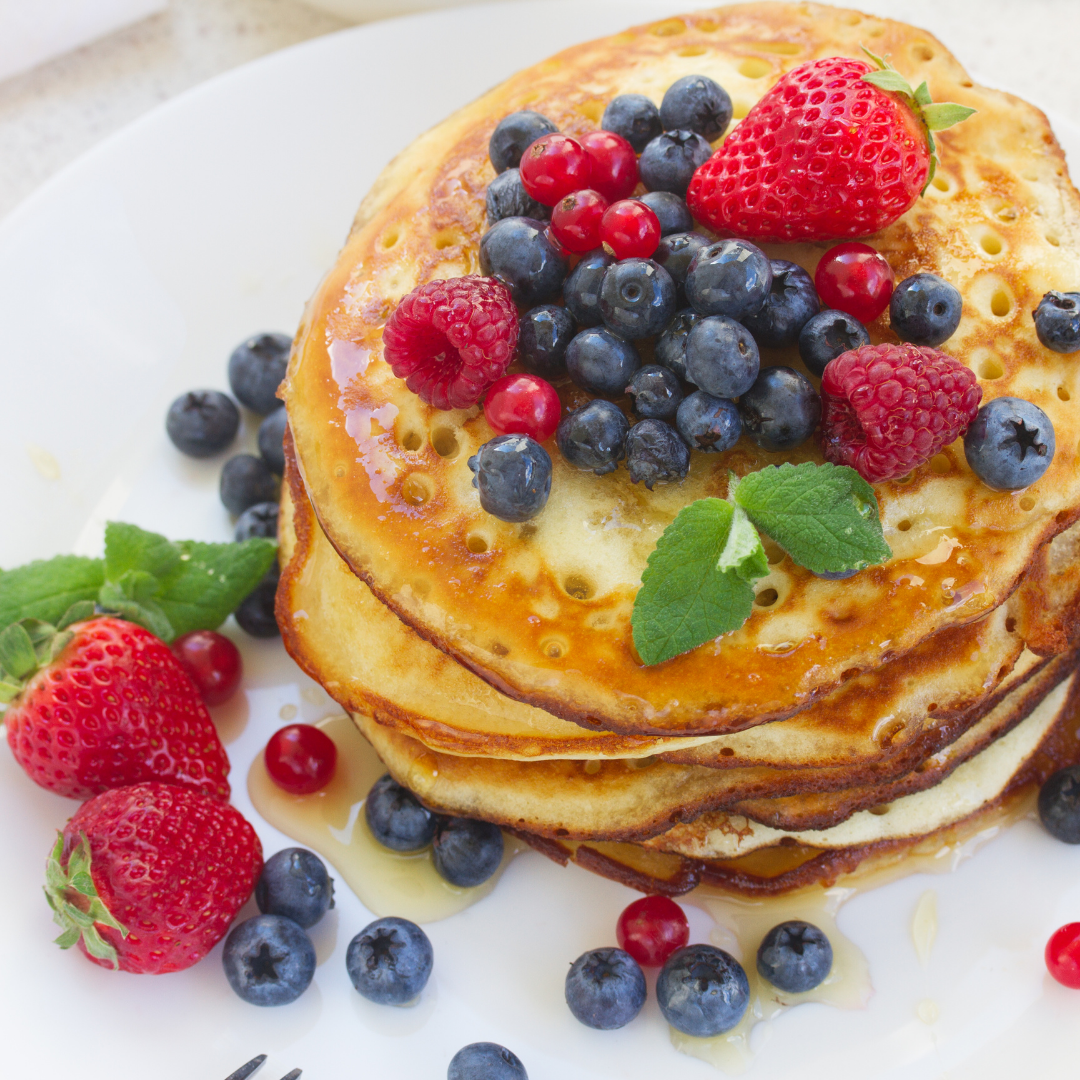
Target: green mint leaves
(698,583)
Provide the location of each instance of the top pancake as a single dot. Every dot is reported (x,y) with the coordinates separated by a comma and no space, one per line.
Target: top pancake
(542,610)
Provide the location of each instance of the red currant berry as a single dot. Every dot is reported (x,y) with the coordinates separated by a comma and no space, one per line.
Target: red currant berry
(300,758)
(553,167)
(575,221)
(614,164)
(630,230)
(651,929)
(1063,955)
(855,279)
(523,405)
(212,662)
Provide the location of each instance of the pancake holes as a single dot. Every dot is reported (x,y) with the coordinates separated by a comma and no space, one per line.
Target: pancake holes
(1002,672)
(447,238)
(1027,503)
(940,464)
(579,587)
(417,489)
(885,735)
(1000,304)
(922,52)
(444,442)
(991,243)
(941,183)
(601,620)
(726,751)
(849,674)
(852,18)
(932,707)
(903,526)
(906,479)
(669,28)
(766,598)
(1063,394)
(477,544)
(753,67)
(781,48)
(1010,624)
(640,763)
(967,84)
(991,369)
(692,50)
(389,239)
(593,110)
(1053,240)
(773,551)
(421,588)
(412,440)
(593,767)
(340,471)
(880,811)
(553,648)
(877,31)
(499,649)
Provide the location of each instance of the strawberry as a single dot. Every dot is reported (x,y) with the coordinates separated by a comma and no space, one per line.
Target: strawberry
(147,878)
(835,149)
(103,703)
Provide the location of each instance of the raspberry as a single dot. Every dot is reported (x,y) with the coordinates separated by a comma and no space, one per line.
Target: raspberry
(450,340)
(888,408)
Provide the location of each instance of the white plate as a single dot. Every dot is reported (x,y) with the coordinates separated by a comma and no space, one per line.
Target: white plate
(127,280)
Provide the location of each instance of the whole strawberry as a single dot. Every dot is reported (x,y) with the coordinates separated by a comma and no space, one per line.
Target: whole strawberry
(102,704)
(835,149)
(148,878)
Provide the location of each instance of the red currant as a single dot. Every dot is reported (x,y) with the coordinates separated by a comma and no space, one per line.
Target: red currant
(523,405)
(212,662)
(554,166)
(300,758)
(614,164)
(856,279)
(1063,955)
(651,929)
(575,221)
(629,230)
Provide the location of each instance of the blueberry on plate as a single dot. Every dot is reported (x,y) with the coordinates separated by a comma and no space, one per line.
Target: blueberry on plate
(485,1061)
(396,818)
(245,481)
(634,117)
(506,197)
(294,883)
(256,368)
(1009,444)
(656,392)
(702,991)
(791,302)
(730,277)
(696,103)
(513,475)
(513,135)
(389,961)
(670,348)
(1059,805)
(721,357)
(795,956)
(544,334)
(255,615)
(605,988)
(601,362)
(517,251)
(827,335)
(581,291)
(655,453)
(676,252)
(467,851)
(594,437)
(201,423)
(670,210)
(925,309)
(708,423)
(671,159)
(637,298)
(258,520)
(268,960)
(272,440)
(781,410)
(1057,321)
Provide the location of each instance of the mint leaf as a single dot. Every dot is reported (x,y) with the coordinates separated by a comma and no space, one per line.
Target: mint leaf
(45,589)
(129,548)
(696,585)
(824,516)
(132,597)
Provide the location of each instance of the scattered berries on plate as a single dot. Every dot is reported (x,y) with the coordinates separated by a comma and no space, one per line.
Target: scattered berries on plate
(614,164)
(702,991)
(295,884)
(601,362)
(651,929)
(1057,321)
(1009,444)
(629,230)
(670,160)
(271,439)
(576,218)
(466,852)
(795,956)
(925,309)
(670,210)
(202,423)
(506,197)
(581,290)
(554,166)
(634,117)
(256,369)
(1059,804)
(300,758)
(545,333)
(637,298)
(246,480)
(594,437)
(212,662)
(676,252)
(708,423)
(670,347)
(512,473)
(513,135)
(696,103)
(1063,955)
(789,305)
(268,960)
(855,278)
(730,277)
(826,336)
(519,252)
(255,615)
(396,817)
(258,520)
(390,961)
(656,393)
(605,988)
(656,454)
(485,1061)
(781,410)
(523,405)
(722,357)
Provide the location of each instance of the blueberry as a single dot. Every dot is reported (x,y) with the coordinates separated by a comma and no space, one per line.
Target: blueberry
(601,362)
(637,298)
(545,333)
(516,251)
(634,117)
(201,423)
(258,520)
(834,575)
(605,988)
(581,292)
(467,852)
(1059,805)
(655,454)
(513,135)
(513,476)
(670,210)
(389,961)
(1057,321)
(721,357)
(485,1061)
(656,393)
(268,960)
(696,103)
(507,197)
(827,335)
(730,277)
(781,410)
(396,818)
(245,481)
(255,615)
(676,252)
(702,991)
(272,439)
(670,348)
(1009,444)
(256,368)
(671,159)
(594,437)
(925,309)
(708,423)
(794,956)
(294,883)
(791,302)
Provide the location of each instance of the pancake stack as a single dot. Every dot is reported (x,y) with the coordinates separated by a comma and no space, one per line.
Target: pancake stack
(848,724)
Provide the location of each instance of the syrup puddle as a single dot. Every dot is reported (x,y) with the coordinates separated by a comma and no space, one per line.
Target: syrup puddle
(332,823)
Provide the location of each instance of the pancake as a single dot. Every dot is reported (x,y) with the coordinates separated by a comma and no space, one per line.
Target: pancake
(541,611)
